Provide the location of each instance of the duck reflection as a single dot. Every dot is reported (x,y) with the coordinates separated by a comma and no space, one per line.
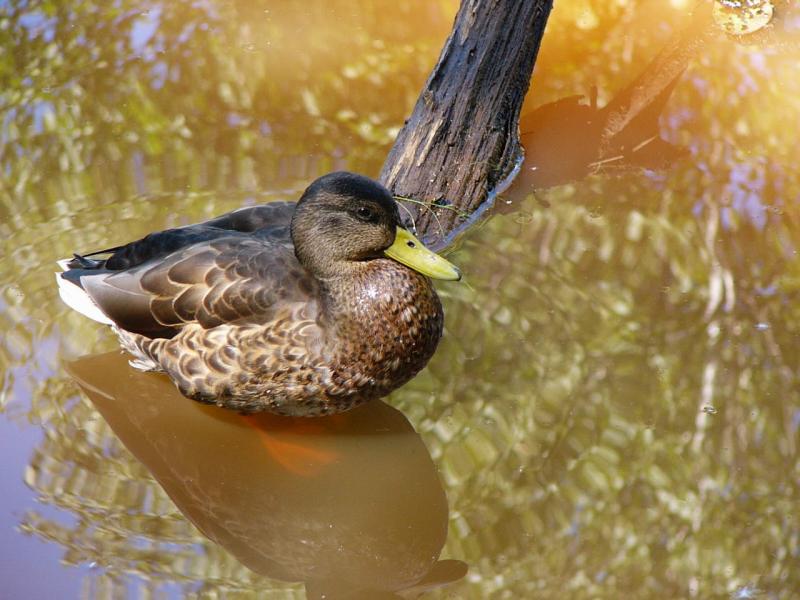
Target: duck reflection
(351,504)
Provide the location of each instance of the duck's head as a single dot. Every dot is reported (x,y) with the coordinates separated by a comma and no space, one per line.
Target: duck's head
(343,219)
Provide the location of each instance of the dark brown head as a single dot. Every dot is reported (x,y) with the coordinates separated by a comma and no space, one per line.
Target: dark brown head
(343,218)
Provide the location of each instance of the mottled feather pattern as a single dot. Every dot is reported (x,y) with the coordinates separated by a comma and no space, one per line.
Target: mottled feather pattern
(228,311)
(223,281)
(398,316)
(388,326)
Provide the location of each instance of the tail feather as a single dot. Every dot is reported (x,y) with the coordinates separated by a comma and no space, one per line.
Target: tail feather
(81,262)
(77,299)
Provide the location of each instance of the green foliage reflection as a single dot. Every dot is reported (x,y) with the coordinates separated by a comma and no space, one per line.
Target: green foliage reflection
(614,408)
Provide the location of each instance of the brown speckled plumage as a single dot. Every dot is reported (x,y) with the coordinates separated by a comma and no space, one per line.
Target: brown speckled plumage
(240,313)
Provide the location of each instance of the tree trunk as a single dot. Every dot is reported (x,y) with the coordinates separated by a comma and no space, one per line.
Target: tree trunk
(460,147)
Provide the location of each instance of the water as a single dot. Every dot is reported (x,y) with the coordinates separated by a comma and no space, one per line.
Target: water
(613,411)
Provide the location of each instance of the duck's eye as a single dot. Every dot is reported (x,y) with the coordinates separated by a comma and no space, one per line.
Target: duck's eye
(365,213)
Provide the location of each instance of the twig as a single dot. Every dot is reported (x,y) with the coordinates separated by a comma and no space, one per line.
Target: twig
(430,205)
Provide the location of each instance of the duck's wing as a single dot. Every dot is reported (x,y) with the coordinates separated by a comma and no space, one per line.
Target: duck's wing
(275,215)
(266,221)
(226,280)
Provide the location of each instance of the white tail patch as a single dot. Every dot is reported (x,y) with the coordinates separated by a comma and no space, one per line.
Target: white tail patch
(77,299)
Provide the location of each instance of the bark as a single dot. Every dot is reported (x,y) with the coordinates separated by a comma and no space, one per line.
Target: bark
(460,146)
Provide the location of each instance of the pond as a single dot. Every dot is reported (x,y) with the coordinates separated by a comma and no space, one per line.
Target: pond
(614,411)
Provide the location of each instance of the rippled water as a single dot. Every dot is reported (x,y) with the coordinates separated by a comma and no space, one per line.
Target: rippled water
(614,411)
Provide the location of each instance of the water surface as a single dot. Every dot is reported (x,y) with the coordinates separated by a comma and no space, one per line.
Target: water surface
(613,412)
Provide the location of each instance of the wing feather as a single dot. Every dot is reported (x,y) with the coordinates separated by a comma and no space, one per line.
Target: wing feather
(267,221)
(219,281)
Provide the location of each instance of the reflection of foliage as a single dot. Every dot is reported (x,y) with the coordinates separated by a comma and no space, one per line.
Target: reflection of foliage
(593,464)
(565,404)
(93,85)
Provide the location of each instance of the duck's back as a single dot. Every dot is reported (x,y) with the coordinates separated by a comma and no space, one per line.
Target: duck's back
(266,221)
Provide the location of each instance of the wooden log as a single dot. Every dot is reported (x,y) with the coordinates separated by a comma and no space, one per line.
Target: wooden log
(460,146)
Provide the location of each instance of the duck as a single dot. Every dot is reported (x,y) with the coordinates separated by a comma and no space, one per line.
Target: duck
(298,309)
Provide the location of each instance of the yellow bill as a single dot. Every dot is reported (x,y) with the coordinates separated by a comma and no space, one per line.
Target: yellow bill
(409,251)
